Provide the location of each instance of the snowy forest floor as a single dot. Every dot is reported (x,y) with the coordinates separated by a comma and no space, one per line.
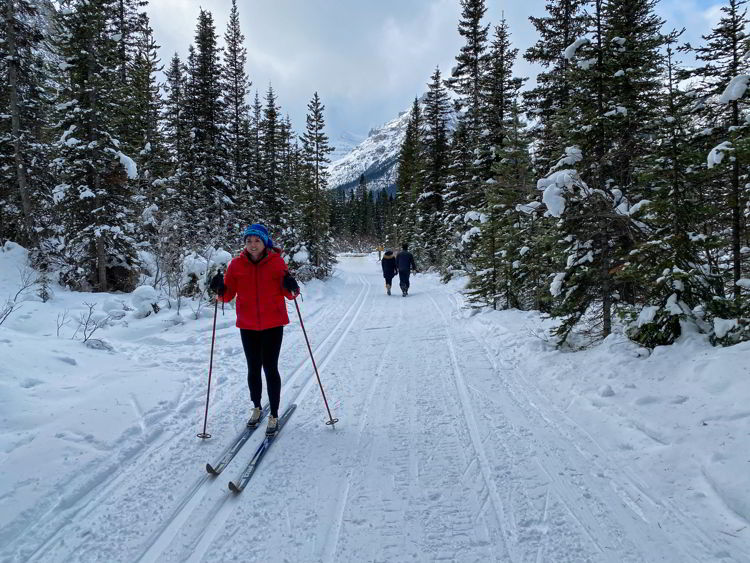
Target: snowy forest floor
(463,436)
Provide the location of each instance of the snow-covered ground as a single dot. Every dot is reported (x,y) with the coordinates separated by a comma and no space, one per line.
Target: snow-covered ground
(463,436)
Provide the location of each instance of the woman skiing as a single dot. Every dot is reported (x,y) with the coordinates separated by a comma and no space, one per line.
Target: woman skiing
(390,269)
(260,279)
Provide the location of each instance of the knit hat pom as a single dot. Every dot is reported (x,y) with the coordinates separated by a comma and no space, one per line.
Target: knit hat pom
(258,230)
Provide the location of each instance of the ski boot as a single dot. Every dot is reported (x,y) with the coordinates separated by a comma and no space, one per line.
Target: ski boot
(254,417)
(273,425)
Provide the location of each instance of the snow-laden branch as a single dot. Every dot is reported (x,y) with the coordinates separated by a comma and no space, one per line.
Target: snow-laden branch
(717,153)
(735,89)
(570,50)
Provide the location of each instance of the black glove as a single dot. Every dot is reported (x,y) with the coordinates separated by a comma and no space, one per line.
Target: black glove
(217,284)
(290,284)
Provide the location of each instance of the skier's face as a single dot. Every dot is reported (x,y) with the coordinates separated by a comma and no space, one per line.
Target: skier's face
(254,246)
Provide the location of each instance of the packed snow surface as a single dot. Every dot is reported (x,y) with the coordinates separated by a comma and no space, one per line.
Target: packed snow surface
(464,435)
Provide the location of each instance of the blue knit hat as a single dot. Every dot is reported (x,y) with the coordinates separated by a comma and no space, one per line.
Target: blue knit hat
(259,231)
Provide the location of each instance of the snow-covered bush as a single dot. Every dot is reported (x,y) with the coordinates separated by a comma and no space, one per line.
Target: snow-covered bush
(144,300)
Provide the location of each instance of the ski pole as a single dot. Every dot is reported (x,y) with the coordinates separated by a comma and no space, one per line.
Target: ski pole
(204,434)
(331,421)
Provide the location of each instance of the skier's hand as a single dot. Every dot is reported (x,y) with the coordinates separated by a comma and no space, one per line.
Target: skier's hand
(290,284)
(217,284)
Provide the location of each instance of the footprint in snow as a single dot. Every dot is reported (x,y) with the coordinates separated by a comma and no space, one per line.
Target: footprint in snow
(30,382)
(67,360)
(647,400)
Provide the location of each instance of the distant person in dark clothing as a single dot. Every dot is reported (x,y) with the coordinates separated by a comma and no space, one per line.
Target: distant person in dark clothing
(405,262)
(388,263)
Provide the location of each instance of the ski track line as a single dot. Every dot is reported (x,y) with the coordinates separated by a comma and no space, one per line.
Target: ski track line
(545,528)
(620,491)
(476,439)
(111,475)
(334,533)
(218,513)
(107,482)
(378,376)
(362,451)
(561,488)
(209,532)
(617,488)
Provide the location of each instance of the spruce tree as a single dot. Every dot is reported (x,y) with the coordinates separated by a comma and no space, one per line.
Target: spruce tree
(236,87)
(270,176)
(95,195)
(431,236)
(549,101)
(149,146)
(409,179)
(613,107)
(724,59)
(315,202)
(212,201)
(466,79)
(24,147)
(680,285)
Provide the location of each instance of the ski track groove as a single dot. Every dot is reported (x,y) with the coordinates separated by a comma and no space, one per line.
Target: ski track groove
(112,475)
(544,528)
(664,506)
(332,539)
(497,507)
(481,454)
(221,509)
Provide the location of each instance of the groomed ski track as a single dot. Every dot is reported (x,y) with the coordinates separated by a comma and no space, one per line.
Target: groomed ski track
(445,450)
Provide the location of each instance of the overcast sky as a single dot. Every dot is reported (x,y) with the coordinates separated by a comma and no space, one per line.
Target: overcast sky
(367,59)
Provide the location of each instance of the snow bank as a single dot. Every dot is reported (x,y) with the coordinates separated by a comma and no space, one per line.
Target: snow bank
(676,420)
(143,300)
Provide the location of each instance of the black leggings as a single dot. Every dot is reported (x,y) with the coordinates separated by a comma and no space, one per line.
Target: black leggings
(403,278)
(262,348)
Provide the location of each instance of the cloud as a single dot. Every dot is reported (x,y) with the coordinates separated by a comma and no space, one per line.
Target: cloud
(367,60)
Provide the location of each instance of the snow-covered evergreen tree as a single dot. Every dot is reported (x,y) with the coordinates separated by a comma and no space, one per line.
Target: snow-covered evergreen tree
(670,264)
(430,235)
(410,177)
(236,89)
(314,199)
(94,196)
(24,143)
(211,203)
(548,102)
(722,81)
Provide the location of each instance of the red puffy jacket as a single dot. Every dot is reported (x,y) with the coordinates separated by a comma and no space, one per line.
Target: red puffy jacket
(260,295)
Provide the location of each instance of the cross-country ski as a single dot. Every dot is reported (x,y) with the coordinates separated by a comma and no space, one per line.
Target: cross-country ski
(242,437)
(240,483)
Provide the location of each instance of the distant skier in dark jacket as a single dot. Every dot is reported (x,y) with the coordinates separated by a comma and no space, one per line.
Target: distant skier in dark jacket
(405,262)
(388,263)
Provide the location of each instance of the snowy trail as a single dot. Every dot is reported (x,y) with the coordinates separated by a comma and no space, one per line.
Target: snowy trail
(447,449)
